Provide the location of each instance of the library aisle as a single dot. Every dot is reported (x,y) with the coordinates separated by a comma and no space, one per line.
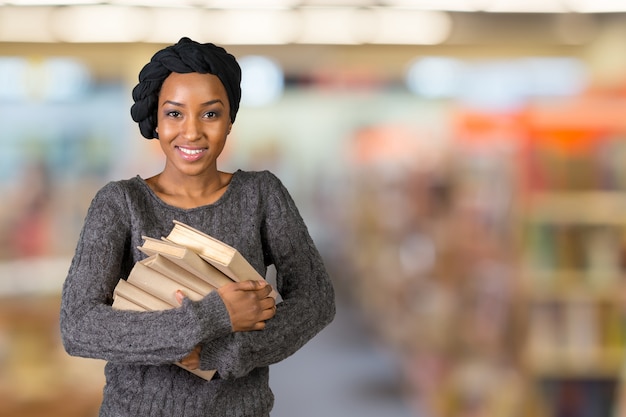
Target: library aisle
(340,373)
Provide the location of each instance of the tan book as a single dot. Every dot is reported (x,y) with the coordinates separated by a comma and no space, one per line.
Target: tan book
(162,264)
(208,375)
(159,285)
(122,303)
(185,258)
(219,254)
(140,297)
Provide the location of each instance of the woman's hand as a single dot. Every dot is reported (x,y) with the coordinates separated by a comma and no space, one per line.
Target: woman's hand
(192,360)
(248,303)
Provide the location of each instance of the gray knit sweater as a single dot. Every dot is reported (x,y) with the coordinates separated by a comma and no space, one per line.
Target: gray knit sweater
(257,216)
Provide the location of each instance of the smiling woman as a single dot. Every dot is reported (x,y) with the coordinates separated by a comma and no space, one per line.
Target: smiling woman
(188,97)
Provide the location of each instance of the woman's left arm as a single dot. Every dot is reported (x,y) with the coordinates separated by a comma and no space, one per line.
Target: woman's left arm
(308,299)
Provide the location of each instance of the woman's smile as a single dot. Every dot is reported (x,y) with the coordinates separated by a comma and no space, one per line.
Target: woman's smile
(191,154)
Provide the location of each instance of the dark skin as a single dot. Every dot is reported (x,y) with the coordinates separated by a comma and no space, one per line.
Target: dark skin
(193,121)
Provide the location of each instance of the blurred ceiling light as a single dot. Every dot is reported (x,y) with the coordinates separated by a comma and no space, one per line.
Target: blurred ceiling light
(18,24)
(493,85)
(449,5)
(274,22)
(342,3)
(53,79)
(411,27)
(267,27)
(50,2)
(496,83)
(526,6)
(434,77)
(506,6)
(13,72)
(100,24)
(262,80)
(597,6)
(326,25)
(248,4)
(554,76)
(153,3)
(66,79)
(168,25)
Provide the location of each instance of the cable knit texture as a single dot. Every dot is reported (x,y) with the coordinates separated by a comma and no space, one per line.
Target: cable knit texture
(257,216)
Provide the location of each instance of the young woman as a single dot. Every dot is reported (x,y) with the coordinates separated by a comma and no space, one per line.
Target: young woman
(187,97)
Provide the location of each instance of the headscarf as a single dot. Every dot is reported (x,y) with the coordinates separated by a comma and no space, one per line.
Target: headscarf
(183,57)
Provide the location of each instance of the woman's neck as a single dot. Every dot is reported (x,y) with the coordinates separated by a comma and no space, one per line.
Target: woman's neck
(190,192)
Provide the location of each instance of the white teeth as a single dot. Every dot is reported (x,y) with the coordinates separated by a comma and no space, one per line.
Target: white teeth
(191,151)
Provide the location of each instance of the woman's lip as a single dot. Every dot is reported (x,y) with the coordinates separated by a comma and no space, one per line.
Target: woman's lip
(191,154)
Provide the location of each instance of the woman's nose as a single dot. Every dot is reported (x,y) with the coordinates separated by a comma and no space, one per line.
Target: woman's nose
(191,129)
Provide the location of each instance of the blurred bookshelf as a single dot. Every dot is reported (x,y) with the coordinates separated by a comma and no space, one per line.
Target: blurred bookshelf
(573,287)
(572,259)
(37,377)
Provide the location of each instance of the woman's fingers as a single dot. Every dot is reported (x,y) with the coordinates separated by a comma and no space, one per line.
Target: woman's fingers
(267,314)
(180,296)
(267,302)
(261,288)
(248,304)
(192,360)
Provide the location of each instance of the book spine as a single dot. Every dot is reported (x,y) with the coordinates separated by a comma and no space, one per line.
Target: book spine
(159,285)
(172,269)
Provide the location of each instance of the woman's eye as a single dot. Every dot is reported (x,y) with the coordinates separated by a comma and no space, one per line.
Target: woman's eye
(173,113)
(210,114)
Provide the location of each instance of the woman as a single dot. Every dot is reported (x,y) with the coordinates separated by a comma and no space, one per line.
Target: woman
(187,97)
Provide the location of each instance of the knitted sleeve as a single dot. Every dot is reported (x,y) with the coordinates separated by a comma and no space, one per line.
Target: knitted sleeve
(90,327)
(308,303)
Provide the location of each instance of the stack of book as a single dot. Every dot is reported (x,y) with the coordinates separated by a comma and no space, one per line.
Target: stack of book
(187,260)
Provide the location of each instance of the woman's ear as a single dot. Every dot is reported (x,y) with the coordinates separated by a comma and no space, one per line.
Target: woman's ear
(230,126)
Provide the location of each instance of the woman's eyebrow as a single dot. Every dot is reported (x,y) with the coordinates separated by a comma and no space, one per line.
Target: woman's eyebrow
(206,103)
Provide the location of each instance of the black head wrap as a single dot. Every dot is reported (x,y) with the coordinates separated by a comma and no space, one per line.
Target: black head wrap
(183,57)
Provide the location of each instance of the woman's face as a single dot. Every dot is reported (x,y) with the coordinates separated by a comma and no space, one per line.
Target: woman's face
(193,120)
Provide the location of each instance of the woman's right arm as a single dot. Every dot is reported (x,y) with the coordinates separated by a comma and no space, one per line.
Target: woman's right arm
(90,327)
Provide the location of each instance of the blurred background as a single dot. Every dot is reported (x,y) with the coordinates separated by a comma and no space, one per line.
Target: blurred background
(461,165)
